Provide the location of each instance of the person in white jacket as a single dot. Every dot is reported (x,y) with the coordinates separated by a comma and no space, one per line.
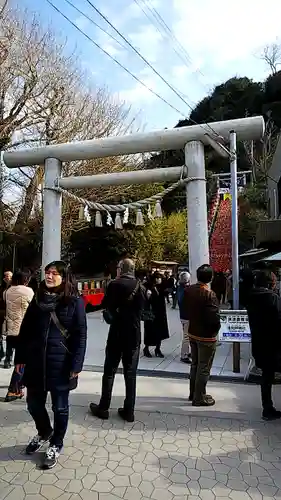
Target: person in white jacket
(17,299)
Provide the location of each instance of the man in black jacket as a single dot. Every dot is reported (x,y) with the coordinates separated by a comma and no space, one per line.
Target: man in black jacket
(264,311)
(123,302)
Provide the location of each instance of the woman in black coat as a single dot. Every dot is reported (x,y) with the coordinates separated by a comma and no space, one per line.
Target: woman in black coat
(264,310)
(156,329)
(51,350)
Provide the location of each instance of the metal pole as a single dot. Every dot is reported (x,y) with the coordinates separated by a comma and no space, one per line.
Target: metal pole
(52,214)
(14,257)
(196,200)
(235,253)
(275,204)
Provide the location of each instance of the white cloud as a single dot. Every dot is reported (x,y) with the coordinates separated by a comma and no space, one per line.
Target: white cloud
(82,22)
(220,41)
(147,40)
(220,34)
(138,94)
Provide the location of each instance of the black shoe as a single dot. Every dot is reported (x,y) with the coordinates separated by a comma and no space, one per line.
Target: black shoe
(159,353)
(207,396)
(127,416)
(7,364)
(186,360)
(207,401)
(271,414)
(51,457)
(36,444)
(147,353)
(98,412)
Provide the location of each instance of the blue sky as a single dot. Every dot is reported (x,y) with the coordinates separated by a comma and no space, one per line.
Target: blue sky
(222,39)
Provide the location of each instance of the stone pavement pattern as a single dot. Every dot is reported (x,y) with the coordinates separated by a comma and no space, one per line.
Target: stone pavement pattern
(160,457)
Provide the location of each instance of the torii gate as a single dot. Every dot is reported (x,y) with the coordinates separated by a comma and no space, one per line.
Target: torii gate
(192,139)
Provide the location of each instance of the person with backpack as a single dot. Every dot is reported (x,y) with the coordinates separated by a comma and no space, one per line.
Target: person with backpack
(122,307)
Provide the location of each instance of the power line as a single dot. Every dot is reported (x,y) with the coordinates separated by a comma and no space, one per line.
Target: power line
(128,71)
(110,34)
(168,33)
(115,60)
(164,35)
(139,54)
(148,64)
(168,30)
(96,24)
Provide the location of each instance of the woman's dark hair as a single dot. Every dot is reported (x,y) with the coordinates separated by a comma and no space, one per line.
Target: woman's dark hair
(20,277)
(265,279)
(68,288)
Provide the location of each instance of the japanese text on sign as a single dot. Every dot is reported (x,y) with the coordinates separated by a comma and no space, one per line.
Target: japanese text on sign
(234,327)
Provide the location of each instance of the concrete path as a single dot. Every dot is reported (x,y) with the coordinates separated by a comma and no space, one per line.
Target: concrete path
(172,452)
(171,364)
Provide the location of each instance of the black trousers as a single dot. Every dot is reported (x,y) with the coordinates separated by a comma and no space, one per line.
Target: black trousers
(114,353)
(11,343)
(267,381)
(36,405)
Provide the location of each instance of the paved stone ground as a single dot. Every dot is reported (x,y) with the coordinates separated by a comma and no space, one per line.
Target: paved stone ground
(171,364)
(162,456)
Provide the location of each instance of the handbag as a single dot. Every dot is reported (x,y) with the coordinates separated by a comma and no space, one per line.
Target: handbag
(108,316)
(147,313)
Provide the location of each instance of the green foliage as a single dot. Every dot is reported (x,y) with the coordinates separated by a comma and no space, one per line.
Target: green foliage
(248,226)
(255,196)
(164,239)
(96,249)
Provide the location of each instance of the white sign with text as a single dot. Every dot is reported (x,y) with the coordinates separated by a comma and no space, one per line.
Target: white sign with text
(234,327)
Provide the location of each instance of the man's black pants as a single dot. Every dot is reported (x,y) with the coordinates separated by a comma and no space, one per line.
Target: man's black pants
(117,349)
(267,381)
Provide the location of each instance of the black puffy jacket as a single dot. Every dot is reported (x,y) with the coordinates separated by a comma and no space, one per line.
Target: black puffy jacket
(48,356)
(264,311)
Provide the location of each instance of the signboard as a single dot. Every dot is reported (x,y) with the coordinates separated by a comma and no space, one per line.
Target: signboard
(234,327)
(225,184)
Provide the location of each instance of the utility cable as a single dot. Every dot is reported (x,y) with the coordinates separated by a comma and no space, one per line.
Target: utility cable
(115,60)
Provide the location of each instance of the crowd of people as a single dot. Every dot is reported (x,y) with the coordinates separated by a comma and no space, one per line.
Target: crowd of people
(46,327)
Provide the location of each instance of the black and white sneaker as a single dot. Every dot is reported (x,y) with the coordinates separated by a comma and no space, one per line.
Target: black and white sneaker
(51,457)
(36,444)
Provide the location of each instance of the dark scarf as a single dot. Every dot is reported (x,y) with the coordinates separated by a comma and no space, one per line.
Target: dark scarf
(48,298)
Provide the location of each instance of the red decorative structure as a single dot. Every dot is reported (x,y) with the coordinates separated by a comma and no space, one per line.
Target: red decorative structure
(220,240)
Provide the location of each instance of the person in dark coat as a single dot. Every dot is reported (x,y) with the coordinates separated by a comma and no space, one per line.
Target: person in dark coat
(219,285)
(156,329)
(264,312)
(51,349)
(245,286)
(123,302)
